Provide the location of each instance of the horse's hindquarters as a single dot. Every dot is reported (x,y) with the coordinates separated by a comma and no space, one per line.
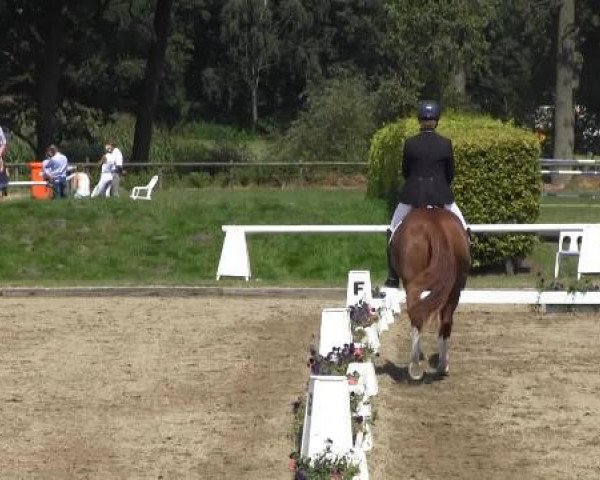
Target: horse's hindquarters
(432,254)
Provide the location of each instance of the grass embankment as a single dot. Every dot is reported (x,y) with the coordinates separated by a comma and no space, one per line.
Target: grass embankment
(176,239)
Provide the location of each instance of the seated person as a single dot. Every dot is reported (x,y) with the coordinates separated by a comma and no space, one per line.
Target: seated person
(79,184)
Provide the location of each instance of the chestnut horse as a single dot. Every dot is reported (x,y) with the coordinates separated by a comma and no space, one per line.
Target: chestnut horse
(430,252)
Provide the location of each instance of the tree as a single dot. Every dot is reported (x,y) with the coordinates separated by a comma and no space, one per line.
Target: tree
(48,70)
(588,18)
(248,32)
(298,56)
(154,70)
(440,45)
(566,71)
(519,74)
(35,97)
(44,41)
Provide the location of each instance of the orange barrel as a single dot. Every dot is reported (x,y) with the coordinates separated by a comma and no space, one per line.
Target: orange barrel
(39,192)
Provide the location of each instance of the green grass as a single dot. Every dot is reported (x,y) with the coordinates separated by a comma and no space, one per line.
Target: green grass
(176,239)
(570,210)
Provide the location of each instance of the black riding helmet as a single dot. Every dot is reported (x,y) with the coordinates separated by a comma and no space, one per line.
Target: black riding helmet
(428,110)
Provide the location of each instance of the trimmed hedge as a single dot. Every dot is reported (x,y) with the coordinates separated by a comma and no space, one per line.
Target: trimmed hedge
(497,177)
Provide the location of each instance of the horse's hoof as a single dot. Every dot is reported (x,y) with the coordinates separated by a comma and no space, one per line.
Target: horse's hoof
(415,371)
(434,361)
(443,369)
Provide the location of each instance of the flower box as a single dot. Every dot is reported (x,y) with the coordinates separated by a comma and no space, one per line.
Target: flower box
(367,376)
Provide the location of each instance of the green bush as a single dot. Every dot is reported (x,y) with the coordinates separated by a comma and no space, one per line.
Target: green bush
(497,177)
(19,151)
(189,150)
(336,127)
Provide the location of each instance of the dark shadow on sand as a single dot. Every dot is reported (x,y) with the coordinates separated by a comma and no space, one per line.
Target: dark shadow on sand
(400,374)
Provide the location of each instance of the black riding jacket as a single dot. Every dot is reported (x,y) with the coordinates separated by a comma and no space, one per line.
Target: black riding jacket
(428,170)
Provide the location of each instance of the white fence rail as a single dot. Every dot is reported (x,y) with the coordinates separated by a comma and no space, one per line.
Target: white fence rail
(523,296)
(571,172)
(235,260)
(27,183)
(546,162)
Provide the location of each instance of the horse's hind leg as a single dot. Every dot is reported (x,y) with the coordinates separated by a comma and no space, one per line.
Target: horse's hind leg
(415,370)
(444,335)
(445,331)
(415,367)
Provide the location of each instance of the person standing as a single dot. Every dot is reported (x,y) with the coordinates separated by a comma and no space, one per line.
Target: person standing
(3,144)
(106,174)
(4,173)
(54,169)
(428,171)
(3,170)
(117,168)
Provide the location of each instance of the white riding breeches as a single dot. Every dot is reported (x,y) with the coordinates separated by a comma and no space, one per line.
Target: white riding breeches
(453,207)
(402,210)
(103,185)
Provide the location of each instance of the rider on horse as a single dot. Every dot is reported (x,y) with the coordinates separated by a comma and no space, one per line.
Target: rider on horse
(428,170)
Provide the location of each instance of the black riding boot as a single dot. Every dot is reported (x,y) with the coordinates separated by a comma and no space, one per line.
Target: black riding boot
(392,281)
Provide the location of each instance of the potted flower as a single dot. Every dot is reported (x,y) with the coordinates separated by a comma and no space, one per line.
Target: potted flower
(335,362)
(355,401)
(377,293)
(298,412)
(325,466)
(359,334)
(362,315)
(362,353)
(363,416)
(364,324)
(353,377)
(358,424)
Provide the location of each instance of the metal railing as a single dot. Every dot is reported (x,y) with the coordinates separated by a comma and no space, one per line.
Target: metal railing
(586,167)
(22,168)
(543,162)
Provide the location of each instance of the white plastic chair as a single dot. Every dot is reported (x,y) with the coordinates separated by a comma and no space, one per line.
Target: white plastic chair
(144,192)
(569,245)
(589,259)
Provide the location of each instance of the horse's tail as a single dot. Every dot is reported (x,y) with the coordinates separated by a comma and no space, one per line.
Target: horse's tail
(439,277)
